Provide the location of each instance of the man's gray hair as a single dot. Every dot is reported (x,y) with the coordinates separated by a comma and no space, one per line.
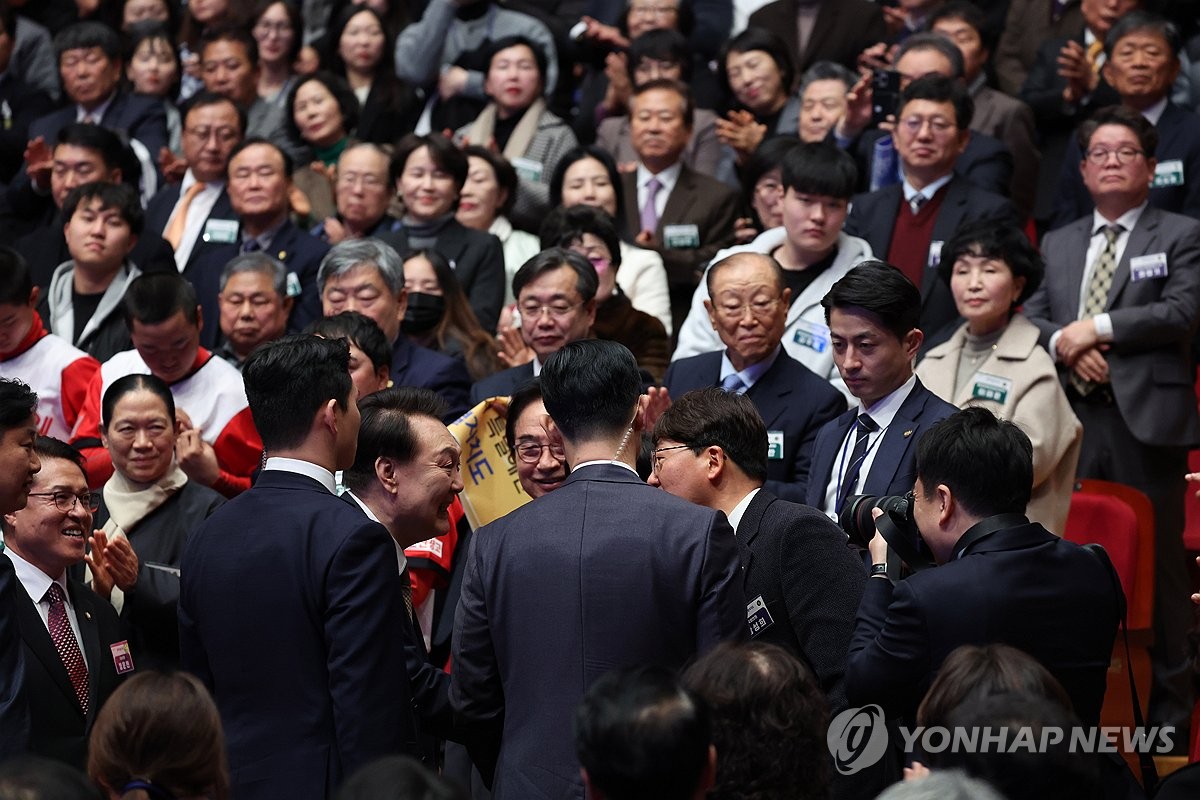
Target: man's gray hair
(939,785)
(371,252)
(827,71)
(257,262)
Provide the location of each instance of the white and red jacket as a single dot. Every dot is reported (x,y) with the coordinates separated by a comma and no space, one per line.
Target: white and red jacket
(58,371)
(214,397)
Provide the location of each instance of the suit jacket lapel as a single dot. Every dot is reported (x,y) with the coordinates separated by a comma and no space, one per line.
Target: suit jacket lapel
(633,217)
(823,459)
(898,437)
(1140,242)
(679,202)
(950,216)
(37,639)
(771,394)
(90,633)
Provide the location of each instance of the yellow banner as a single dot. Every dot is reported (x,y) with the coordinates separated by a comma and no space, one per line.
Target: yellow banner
(489,473)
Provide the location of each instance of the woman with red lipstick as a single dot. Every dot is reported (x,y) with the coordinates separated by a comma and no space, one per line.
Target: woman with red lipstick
(756,69)
(517,124)
(994,360)
(322,111)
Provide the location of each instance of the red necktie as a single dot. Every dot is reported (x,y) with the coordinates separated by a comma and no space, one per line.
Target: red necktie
(66,645)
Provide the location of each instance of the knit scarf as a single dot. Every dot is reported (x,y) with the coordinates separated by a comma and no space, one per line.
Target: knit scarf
(484,128)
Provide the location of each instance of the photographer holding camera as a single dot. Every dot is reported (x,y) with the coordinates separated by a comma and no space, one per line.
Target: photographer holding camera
(1001,579)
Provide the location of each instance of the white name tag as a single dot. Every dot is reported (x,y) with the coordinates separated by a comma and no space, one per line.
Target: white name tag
(681,236)
(1168,173)
(293,285)
(221,231)
(991,387)
(757,616)
(774,445)
(1153,265)
(935,254)
(528,169)
(812,335)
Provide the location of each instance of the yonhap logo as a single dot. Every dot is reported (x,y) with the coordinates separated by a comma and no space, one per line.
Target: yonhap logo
(857,738)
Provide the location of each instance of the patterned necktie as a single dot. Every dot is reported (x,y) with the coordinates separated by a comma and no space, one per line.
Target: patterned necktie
(650,209)
(174,232)
(1093,55)
(1099,284)
(916,202)
(864,427)
(733,383)
(66,644)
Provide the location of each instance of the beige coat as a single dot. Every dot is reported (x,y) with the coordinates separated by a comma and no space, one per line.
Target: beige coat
(1033,400)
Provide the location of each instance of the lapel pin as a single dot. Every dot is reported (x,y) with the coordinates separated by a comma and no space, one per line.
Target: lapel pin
(87,614)
(908,433)
(283,255)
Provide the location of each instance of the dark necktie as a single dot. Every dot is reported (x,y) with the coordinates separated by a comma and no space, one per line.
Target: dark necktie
(66,644)
(864,426)
(251,246)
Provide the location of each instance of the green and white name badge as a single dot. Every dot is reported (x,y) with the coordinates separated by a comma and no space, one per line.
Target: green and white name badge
(527,169)
(774,445)
(1168,173)
(991,387)
(681,237)
(220,231)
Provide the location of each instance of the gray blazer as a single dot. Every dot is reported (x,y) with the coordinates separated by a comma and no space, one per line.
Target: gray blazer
(1153,321)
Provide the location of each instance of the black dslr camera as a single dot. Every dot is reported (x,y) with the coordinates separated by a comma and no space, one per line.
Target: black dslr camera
(896,525)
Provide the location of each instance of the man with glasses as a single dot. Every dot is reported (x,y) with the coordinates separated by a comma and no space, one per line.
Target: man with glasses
(748,308)
(74,650)
(906,223)
(556,298)
(1117,312)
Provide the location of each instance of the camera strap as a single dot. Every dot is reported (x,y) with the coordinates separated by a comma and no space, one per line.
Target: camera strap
(985,528)
(902,544)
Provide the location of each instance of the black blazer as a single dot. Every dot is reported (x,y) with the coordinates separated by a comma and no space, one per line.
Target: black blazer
(792,400)
(58,728)
(391,110)
(133,116)
(985,161)
(842,30)
(413,365)
(300,253)
(502,384)
(158,214)
(478,262)
(14,707)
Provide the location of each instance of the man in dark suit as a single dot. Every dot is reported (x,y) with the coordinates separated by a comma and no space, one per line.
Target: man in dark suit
(259,179)
(906,223)
(792,400)
(556,295)
(1023,28)
(197,213)
(75,653)
(1001,579)
(1124,351)
(875,334)
(301,672)
(838,30)
(686,216)
(367,276)
(19,462)
(572,585)
(1141,65)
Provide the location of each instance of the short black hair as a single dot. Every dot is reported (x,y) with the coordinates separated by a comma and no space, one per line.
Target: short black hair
(999,240)
(1124,116)
(661,44)
(137,382)
(289,380)
(86,35)
(565,227)
(157,296)
(1141,21)
(49,447)
(17,403)
(679,87)
(591,388)
(936,42)
(642,736)
(16,280)
(229,32)
(766,41)
(204,99)
(827,71)
(288,165)
(525,396)
(343,95)
(332,60)
(970,13)
(706,417)
(577,154)
(820,168)
(444,153)
(506,176)
(385,430)
(108,145)
(359,330)
(586,281)
(940,89)
(766,157)
(516,40)
(986,462)
(121,197)
(881,289)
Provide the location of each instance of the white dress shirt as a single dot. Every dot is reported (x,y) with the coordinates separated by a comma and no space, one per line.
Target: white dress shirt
(306,468)
(197,215)
(739,511)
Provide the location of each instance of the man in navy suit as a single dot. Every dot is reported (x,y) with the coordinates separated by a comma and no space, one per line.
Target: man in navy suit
(748,308)
(20,462)
(603,573)
(874,331)
(291,610)
(556,295)
(259,179)
(367,276)
(212,127)
(1001,579)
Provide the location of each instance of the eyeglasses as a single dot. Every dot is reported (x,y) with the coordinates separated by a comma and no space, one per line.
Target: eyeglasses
(65,501)
(1098,156)
(555,310)
(938,125)
(657,460)
(757,308)
(531,452)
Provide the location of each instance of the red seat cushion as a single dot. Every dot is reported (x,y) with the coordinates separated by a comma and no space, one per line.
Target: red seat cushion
(1111,523)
